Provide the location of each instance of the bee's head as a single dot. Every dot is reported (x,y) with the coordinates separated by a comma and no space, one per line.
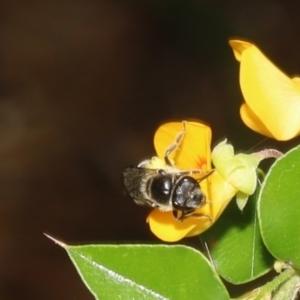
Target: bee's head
(187,197)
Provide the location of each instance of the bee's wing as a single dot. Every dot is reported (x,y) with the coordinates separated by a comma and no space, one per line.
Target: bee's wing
(135,181)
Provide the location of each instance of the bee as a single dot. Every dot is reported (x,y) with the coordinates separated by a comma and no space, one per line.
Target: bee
(165,187)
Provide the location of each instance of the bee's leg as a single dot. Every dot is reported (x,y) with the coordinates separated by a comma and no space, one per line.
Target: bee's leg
(174,145)
(203,215)
(180,217)
(176,215)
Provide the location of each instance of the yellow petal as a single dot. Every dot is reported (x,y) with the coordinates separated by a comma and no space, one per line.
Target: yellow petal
(193,152)
(253,122)
(163,225)
(221,192)
(271,95)
(238,48)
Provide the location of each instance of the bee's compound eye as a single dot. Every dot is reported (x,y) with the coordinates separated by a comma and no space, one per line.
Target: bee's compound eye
(160,188)
(187,194)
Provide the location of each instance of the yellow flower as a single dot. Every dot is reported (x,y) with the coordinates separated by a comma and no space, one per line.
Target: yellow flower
(193,153)
(272,98)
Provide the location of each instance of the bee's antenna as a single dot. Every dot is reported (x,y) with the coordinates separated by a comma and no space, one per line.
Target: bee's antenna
(205,175)
(257,144)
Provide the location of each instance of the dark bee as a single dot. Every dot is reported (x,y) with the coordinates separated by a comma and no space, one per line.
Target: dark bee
(167,188)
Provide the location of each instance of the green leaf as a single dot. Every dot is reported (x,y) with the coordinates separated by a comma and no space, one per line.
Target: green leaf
(146,272)
(235,244)
(279,208)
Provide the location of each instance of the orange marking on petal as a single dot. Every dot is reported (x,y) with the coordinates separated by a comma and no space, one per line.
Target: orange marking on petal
(201,162)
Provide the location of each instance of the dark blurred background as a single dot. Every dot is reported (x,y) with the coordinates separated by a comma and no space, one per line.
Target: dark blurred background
(83,86)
